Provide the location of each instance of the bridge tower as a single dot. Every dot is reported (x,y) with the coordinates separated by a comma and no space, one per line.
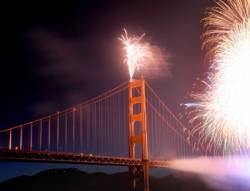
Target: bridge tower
(138,119)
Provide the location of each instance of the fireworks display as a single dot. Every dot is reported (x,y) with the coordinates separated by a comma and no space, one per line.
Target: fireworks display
(142,56)
(220,113)
(136,51)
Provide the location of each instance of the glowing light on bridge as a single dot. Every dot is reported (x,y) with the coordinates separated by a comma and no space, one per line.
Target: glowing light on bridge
(221,113)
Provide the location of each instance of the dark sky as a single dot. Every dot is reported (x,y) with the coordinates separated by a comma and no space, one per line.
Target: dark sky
(56,54)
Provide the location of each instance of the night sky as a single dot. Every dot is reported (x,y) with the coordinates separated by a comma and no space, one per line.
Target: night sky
(57,54)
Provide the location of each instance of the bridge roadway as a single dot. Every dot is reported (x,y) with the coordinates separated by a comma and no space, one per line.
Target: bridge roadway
(76,158)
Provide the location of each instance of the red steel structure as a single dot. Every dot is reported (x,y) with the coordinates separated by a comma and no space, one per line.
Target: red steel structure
(137,98)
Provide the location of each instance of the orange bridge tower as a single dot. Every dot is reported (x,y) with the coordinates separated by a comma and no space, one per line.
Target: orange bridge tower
(138,131)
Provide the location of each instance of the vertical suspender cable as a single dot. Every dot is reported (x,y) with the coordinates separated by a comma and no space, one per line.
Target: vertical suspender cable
(10,139)
(66,132)
(81,126)
(21,138)
(73,127)
(40,134)
(49,123)
(57,130)
(31,136)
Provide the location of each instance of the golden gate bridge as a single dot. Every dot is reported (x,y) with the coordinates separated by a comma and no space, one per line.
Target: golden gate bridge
(128,125)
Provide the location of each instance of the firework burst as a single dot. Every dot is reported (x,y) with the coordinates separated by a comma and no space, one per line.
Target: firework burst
(221,21)
(142,56)
(136,51)
(220,114)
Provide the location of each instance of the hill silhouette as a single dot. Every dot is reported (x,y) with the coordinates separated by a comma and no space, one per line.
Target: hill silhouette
(76,180)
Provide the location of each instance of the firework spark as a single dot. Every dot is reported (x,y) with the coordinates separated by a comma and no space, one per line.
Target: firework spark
(137,52)
(141,55)
(221,21)
(220,114)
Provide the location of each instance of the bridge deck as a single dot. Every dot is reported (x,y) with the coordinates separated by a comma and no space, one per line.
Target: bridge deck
(76,158)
